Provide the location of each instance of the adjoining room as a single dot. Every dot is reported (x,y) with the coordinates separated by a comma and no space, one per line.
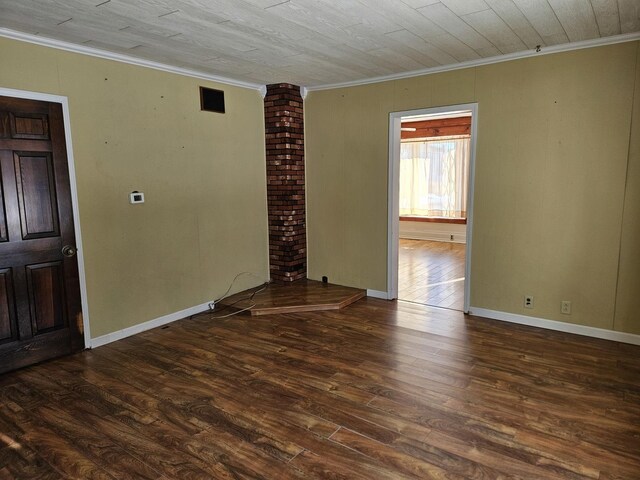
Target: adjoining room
(434,190)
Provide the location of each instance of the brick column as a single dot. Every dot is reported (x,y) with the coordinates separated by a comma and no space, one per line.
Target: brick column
(284,132)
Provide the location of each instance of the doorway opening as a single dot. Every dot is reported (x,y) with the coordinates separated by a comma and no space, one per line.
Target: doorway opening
(431,171)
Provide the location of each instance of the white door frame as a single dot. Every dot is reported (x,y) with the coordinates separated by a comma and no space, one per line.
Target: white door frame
(45,97)
(394,193)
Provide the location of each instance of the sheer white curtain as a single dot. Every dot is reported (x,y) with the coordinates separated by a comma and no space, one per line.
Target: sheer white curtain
(433,177)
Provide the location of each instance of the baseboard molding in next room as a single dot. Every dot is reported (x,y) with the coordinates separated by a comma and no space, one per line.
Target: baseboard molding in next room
(377,294)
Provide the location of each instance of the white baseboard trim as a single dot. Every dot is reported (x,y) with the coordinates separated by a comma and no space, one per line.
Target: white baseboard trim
(558,326)
(377,294)
(143,327)
(436,237)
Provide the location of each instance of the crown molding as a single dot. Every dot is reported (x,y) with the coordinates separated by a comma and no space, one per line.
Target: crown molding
(119,57)
(565,47)
(261,88)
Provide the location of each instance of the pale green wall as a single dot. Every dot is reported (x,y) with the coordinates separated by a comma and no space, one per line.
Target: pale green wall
(556,211)
(627,316)
(551,167)
(203,175)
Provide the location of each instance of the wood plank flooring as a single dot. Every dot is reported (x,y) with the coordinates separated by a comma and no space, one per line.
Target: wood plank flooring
(299,296)
(431,273)
(377,390)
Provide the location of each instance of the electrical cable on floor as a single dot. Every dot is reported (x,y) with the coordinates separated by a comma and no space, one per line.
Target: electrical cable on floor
(250,297)
(225,294)
(234,313)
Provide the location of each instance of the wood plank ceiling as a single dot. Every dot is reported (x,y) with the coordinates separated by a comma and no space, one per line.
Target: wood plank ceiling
(317,42)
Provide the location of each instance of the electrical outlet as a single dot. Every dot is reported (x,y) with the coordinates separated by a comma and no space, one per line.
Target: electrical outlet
(565,307)
(528,301)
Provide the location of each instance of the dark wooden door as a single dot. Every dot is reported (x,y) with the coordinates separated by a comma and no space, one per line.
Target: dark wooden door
(40,313)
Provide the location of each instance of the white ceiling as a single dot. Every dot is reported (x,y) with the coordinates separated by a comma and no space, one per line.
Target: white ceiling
(318,42)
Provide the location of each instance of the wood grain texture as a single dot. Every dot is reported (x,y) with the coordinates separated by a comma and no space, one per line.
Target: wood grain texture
(431,273)
(436,128)
(312,43)
(377,390)
(300,296)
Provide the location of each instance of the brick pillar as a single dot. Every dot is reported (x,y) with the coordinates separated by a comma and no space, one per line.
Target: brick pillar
(284,132)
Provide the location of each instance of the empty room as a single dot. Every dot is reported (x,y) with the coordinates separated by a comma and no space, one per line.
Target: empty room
(360,239)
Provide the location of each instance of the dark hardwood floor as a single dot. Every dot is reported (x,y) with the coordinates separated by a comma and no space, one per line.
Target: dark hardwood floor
(431,273)
(377,390)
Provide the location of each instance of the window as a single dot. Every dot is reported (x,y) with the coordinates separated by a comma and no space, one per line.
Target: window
(433,177)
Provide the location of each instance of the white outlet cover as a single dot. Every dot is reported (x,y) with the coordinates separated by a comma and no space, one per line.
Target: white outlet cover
(136,197)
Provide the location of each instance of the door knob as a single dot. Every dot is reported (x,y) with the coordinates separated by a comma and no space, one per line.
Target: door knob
(68,250)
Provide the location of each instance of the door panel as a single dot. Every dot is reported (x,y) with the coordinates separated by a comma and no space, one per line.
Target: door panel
(46,289)
(40,314)
(3,218)
(8,328)
(36,195)
(29,125)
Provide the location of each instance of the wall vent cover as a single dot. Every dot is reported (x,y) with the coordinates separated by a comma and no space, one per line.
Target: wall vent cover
(211,100)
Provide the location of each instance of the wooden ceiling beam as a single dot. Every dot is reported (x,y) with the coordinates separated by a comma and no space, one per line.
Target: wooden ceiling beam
(437,128)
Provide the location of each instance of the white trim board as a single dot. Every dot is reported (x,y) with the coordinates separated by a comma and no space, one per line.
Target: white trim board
(143,327)
(393,192)
(479,312)
(378,294)
(439,232)
(95,52)
(119,57)
(557,326)
(8,92)
(565,47)
(434,236)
